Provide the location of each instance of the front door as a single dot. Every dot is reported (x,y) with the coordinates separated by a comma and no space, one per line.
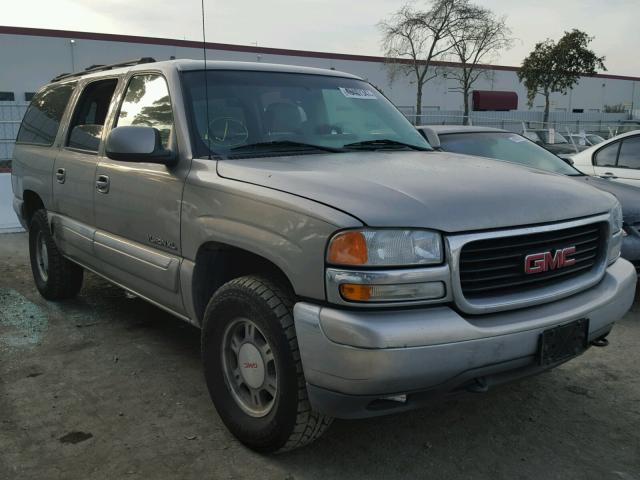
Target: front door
(137,204)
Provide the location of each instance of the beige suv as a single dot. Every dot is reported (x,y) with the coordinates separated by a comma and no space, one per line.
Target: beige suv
(337,265)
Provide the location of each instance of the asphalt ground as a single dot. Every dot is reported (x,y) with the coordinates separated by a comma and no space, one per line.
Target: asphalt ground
(109,387)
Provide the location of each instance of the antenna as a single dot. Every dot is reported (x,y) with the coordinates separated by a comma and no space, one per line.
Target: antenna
(206,80)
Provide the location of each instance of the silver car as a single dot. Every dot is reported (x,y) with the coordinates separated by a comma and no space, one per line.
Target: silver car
(338,267)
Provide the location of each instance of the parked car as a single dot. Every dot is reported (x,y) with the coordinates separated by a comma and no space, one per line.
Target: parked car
(617,158)
(554,141)
(626,126)
(508,146)
(337,266)
(585,139)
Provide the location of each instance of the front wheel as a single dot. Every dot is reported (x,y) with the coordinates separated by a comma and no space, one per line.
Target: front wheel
(253,369)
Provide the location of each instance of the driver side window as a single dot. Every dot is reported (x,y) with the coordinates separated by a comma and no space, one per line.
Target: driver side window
(147,103)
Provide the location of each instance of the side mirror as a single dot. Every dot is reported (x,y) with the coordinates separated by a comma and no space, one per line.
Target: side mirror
(137,144)
(430,136)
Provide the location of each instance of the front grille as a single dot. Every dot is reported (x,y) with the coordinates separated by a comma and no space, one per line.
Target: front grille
(495,266)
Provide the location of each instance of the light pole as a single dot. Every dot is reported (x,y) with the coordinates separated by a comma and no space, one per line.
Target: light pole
(72,43)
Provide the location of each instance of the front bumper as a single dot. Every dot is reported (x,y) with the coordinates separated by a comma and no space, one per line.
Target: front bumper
(352,360)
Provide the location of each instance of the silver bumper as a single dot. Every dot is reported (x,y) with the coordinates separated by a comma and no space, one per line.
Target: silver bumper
(351,358)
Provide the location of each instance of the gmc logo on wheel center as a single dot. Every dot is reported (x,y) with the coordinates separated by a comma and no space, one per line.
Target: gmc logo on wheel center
(542,262)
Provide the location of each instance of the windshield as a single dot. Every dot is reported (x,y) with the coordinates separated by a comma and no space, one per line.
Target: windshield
(546,137)
(595,139)
(505,146)
(276,113)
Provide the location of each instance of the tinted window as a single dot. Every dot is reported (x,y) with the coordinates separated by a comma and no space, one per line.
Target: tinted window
(505,146)
(42,120)
(90,115)
(606,157)
(630,153)
(147,103)
(7,97)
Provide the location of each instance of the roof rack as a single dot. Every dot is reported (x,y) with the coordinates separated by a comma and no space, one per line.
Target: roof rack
(100,68)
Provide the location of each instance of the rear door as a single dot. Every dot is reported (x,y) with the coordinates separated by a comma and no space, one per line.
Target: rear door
(38,141)
(138,210)
(74,170)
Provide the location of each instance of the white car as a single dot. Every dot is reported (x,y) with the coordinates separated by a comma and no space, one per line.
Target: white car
(617,158)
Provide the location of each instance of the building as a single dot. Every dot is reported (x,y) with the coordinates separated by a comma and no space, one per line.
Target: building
(31,57)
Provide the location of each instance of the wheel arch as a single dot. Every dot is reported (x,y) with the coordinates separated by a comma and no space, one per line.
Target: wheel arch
(217,263)
(32,203)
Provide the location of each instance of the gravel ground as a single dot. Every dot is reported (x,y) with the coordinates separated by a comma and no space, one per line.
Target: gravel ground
(109,387)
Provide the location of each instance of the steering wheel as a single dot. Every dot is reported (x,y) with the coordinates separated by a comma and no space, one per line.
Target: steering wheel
(227,132)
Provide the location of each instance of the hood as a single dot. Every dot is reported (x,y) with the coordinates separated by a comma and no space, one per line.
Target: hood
(443,191)
(628,195)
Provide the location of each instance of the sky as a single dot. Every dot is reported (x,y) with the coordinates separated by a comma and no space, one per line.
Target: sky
(339,26)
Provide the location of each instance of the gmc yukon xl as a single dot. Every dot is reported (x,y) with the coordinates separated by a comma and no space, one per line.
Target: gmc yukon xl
(337,266)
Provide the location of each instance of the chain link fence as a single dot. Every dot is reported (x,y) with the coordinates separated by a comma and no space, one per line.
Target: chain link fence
(10,117)
(604,124)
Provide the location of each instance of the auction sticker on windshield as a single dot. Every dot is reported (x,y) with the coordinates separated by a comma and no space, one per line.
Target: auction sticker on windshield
(361,93)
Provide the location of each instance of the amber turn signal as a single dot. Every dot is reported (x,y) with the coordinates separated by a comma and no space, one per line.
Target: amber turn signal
(348,248)
(355,293)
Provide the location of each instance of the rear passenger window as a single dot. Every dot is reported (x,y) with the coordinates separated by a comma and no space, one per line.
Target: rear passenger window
(630,153)
(147,103)
(42,119)
(90,114)
(607,156)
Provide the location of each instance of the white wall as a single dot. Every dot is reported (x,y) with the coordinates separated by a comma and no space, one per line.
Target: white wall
(27,62)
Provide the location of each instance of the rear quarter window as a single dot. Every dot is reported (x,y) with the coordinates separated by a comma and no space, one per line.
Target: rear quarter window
(42,120)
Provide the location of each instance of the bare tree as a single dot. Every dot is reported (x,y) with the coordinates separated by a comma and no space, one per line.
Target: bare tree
(483,35)
(414,39)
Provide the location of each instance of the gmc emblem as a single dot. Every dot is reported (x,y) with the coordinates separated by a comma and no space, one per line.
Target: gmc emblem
(542,262)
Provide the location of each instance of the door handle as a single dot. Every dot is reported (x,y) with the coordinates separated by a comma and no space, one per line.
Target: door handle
(608,175)
(102,184)
(61,175)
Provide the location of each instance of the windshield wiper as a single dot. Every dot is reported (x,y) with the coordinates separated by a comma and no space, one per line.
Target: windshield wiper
(384,143)
(284,143)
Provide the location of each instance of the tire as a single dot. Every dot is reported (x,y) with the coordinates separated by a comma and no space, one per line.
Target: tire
(287,421)
(56,277)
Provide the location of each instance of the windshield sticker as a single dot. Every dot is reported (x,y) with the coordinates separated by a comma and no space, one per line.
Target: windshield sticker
(361,93)
(516,138)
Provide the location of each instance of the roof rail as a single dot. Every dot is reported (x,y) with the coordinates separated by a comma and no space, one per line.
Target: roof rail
(100,68)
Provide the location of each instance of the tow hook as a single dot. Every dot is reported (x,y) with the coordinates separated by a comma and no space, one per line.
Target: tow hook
(600,342)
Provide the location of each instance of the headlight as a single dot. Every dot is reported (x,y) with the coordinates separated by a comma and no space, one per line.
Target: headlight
(386,248)
(616,218)
(615,242)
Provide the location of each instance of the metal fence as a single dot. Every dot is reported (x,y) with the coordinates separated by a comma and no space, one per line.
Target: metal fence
(10,117)
(606,124)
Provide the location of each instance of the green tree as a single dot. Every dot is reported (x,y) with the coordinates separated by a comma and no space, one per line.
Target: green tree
(557,67)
